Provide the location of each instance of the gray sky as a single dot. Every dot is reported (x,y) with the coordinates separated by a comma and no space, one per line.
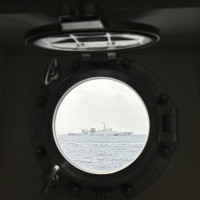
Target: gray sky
(102,100)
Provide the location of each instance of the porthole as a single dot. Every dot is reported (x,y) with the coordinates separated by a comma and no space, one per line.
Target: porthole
(83,116)
(84,138)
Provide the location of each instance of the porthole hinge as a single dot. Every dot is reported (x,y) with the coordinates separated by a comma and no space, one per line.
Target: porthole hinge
(168,131)
(99,57)
(101,195)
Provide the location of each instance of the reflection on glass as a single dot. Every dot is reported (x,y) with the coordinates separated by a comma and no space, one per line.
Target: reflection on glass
(101,125)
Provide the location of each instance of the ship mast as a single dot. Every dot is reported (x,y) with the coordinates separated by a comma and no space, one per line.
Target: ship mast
(104,126)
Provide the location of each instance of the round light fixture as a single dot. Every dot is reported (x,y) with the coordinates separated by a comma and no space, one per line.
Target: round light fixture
(93,36)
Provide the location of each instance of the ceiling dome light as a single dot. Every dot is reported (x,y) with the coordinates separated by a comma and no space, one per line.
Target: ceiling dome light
(89,36)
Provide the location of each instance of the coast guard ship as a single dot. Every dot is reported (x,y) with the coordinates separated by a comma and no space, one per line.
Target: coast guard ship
(104,131)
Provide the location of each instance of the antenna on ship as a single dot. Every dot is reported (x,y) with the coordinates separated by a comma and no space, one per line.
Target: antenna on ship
(104,125)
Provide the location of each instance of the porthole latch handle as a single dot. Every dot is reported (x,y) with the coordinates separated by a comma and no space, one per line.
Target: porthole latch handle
(52,72)
(167,124)
(51,180)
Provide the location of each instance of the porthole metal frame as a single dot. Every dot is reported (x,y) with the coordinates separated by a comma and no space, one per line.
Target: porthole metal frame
(151,162)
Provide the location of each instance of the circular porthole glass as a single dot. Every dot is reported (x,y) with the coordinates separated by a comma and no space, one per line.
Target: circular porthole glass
(101,125)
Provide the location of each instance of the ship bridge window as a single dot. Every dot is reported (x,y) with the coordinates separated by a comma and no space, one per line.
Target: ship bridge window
(101,125)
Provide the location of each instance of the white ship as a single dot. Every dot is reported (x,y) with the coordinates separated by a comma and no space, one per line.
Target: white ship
(104,131)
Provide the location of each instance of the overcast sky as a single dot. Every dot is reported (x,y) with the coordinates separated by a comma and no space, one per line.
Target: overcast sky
(102,100)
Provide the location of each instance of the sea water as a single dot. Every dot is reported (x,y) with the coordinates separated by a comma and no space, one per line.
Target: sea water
(101,154)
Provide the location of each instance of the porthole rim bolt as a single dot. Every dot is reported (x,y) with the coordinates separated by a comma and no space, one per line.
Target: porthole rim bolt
(165,151)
